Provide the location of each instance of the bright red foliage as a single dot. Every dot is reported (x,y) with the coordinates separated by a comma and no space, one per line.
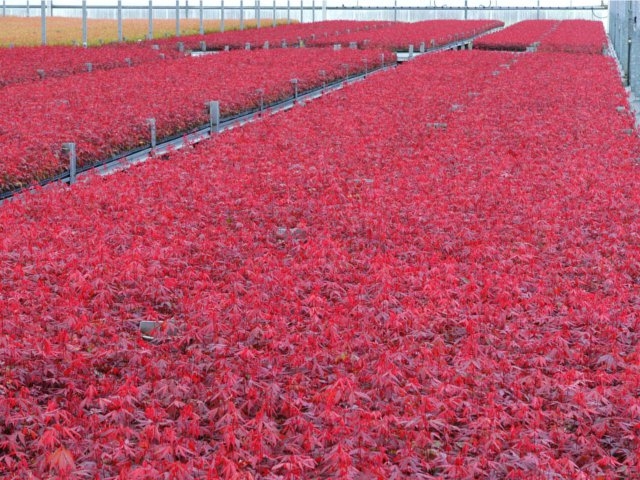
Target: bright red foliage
(576,36)
(22,64)
(106,112)
(363,287)
(398,36)
(517,37)
(292,35)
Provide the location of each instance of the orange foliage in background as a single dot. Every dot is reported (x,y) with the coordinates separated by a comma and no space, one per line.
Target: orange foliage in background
(21,31)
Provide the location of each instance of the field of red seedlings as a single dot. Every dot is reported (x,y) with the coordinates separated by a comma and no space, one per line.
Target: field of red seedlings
(518,36)
(106,112)
(571,36)
(362,287)
(399,36)
(28,64)
(290,35)
(576,36)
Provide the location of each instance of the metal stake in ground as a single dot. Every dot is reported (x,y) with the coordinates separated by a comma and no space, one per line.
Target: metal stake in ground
(70,150)
(294,82)
(323,75)
(152,128)
(214,117)
(260,93)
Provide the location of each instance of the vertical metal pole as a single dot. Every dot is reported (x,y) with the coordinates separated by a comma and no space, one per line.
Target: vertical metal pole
(629,39)
(466,12)
(201,18)
(313,11)
(395,10)
(214,117)
(177,18)
(70,149)
(258,13)
(260,92)
(288,12)
(241,14)
(324,10)
(150,19)
(43,17)
(152,130)
(84,23)
(274,13)
(538,14)
(222,15)
(28,9)
(120,35)
(4,8)
(301,11)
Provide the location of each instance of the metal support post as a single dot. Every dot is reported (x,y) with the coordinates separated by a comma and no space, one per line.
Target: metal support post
(214,117)
(260,93)
(119,13)
(177,18)
(150,29)
(241,14)
(222,15)
(629,39)
(43,21)
(152,130)
(258,13)
(84,23)
(70,150)
(201,11)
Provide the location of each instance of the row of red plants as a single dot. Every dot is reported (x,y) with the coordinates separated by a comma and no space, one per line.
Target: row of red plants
(294,34)
(517,37)
(399,36)
(106,112)
(28,64)
(363,287)
(576,36)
